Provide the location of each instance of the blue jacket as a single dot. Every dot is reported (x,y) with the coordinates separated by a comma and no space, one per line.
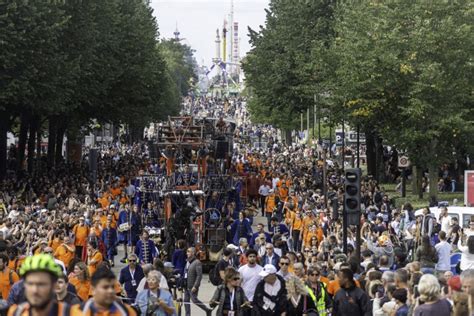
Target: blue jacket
(144,296)
(140,251)
(275,260)
(179,260)
(127,280)
(235,231)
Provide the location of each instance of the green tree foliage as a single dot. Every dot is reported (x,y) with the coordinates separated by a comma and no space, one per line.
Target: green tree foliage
(69,62)
(279,67)
(401,70)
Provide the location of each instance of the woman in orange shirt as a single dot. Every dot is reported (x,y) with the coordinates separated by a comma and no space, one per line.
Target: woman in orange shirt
(81,281)
(94,257)
(311,233)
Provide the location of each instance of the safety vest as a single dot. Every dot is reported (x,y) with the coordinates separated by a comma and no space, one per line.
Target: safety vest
(321,302)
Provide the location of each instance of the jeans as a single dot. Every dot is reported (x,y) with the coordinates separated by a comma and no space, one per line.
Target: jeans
(190,296)
(269,217)
(295,235)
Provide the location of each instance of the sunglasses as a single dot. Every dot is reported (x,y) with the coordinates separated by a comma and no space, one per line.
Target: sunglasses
(132,260)
(236,279)
(284,263)
(314,274)
(307,250)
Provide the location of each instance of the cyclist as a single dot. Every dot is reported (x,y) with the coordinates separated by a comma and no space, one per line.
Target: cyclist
(40,274)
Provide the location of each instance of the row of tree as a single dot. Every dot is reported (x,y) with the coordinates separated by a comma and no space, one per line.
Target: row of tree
(65,64)
(401,71)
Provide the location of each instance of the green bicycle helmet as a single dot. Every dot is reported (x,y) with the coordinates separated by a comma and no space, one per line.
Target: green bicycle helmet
(41,263)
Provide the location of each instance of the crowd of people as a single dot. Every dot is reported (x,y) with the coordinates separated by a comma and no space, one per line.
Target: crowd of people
(60,233)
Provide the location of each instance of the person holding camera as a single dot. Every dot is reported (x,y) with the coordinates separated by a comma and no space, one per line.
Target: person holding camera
(155,301)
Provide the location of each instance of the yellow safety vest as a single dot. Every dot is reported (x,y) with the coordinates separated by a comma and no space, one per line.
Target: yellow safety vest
(321,303)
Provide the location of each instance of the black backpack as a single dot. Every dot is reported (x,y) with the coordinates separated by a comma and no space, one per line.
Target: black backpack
(214,276)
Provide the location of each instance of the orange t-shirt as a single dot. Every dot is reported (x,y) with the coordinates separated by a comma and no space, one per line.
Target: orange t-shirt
(64,254)
(54,243)
(82,287)
(5,285)
(334,286)
(97,258)
(115,192)
(81,233)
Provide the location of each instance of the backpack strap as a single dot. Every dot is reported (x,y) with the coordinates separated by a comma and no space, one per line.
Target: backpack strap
(10,277)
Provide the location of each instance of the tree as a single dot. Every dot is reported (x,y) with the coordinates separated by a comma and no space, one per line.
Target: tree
(404,70)
(279,67)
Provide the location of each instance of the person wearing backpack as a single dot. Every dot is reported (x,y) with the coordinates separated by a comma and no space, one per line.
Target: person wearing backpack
(8,277)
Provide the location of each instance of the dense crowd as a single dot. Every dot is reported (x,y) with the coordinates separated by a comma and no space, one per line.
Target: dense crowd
(284,251)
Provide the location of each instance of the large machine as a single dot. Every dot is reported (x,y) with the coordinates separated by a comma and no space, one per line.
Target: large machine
(193,187)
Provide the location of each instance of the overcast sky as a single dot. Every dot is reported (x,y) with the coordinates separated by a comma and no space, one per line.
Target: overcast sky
(198,20)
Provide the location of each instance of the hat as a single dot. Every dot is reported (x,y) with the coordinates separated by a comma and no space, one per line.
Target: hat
(455,283)
(267,270)
(168,265)
(112,205)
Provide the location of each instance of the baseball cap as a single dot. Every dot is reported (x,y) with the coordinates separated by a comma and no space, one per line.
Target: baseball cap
(267,270)
(168,265)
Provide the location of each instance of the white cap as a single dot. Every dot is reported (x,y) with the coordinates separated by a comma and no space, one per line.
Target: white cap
(267,270)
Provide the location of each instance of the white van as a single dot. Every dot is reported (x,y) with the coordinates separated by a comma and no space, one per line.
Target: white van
(462,213)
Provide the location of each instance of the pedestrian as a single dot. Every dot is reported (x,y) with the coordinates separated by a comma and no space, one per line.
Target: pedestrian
(317,291)
(8,277)
(467,252)
(155,300)
(109,238)
(146,249)
(430,301)
(270,256)
(80,279)
(270,294)
(427,256)
(443,251)
(193,278)
(40,269)
(284,265)
(229,297)
(349,299)
(130,277)
(250,274)
(104,299)
(62,293)
(299,301)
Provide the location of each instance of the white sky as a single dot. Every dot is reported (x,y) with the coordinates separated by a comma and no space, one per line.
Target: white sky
(198,20)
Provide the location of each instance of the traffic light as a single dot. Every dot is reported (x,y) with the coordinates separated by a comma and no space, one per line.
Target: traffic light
(352,195)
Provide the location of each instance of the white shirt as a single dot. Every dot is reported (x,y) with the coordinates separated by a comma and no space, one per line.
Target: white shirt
(443,249)
(467,258)
(271,290)
(250,278)
(445,223)
(264,190)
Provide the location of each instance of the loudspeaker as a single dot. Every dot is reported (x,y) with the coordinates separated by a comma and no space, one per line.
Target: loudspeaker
(93,156)
(222,150)
(153,150)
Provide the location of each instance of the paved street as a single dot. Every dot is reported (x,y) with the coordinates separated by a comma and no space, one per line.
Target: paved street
(207,289)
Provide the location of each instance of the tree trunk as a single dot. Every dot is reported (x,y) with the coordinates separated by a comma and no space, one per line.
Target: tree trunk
(31,143)
(52,141)
(38,149)
(4,127)
(414,181)
(380,164)
(370,153)
(433,171)
(59,144)
(24,125)
(419,179)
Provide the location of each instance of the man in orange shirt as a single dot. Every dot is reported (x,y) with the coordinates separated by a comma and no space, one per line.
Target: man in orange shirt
(335,285)
(81,232)
(65,252)
(104,301)
(8,277)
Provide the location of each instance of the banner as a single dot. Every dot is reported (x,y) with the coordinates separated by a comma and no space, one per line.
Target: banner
(469,187)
